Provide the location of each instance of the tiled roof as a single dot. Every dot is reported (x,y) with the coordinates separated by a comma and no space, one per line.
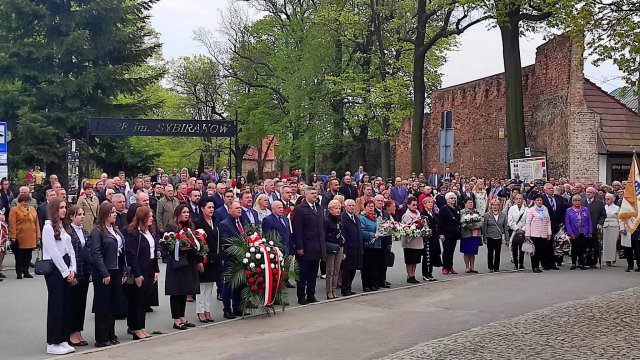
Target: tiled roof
(619,125)
(627,97)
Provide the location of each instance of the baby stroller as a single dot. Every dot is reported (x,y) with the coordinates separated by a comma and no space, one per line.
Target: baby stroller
(561,246)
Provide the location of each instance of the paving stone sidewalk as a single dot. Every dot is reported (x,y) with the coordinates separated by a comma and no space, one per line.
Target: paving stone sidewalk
(601,327)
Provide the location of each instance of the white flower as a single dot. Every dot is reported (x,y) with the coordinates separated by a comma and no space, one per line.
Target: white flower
(247,255)
(252,265)
(271,243)
(273,266)
(262,266)
(245,261)
(258,256)
(271,256)
(252,249)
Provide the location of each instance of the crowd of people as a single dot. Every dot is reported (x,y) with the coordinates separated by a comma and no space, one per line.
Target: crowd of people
(108,235)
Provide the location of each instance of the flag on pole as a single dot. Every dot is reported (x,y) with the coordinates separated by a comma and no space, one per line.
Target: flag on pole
(630,204)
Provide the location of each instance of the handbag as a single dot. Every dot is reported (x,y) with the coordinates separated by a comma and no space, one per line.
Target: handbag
(391,258)
(44,267)
(332,248)
(518,236)
(130,279)
(528,247)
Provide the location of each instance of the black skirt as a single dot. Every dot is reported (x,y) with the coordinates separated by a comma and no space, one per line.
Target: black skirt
(412,256)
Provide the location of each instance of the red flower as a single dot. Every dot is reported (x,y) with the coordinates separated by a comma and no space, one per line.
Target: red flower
(185,229)
(251,280)
(258,270)
(260,279)
(254,288)
(247,272)
(261,292)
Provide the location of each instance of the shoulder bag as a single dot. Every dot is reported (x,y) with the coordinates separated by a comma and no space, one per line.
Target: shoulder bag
(528,247)
(518,235)
(130,279)
(44,267)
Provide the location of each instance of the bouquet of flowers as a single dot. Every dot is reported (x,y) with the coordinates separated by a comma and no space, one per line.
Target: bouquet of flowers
(561,243)
(388,228)
(260,269)
(416,229)
(186,239)
(471,221)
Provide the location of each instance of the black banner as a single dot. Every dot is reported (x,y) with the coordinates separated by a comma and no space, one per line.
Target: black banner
(160,127)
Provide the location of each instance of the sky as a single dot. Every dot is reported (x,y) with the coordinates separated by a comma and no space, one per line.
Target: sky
(479,53)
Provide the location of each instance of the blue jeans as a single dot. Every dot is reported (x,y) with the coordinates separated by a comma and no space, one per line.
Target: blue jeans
(307,283)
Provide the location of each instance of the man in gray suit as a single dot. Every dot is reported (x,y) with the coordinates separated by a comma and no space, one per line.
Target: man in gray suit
(598,215)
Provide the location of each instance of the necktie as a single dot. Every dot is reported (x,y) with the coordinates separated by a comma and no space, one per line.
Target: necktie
(313,207)
(240,230)
(352,218)
(553,202)
(283,221)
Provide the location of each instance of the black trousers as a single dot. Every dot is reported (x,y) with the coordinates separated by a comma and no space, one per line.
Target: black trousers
(538,255)
(105,305)
(448,248)
(578,249)
(138,300)
(347,279)
(79,304)
(518,254)
(58,308)
(306,285)
(23,260)
(323,267)
(370,266)
(628,255)
(382,270)
(592,250)
(178,305)
(548,259)
(494,247)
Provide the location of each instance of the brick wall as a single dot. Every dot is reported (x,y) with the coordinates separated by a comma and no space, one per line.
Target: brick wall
(551,89)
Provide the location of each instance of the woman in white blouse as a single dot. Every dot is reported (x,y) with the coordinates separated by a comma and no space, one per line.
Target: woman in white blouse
(57,248)
(610,230)
(517,219)
(480,192)
(107,250)
(74,223)
(262,206)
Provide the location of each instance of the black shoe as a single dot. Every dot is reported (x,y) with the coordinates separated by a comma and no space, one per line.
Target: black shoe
(515,267)
(311,299)
(347,293)
(289,285)
(629,269)
(496,270)
(593,267)
(473,271)
(188,324)
(32,265)
(238,313)
(149,309)
(302,301)
(490,270)
(366,289)
(130,332)
(103,344)
(182,326)
(2,276)
(28,276)
(136,337)
(637,269)
(114,342)
(582,267)
(536,270)
(219,297)
(19,276)
(228,315)
(413,280)
(387,283)
(521,267)
(385,286)
(375,288)
(81,343)
(573,267)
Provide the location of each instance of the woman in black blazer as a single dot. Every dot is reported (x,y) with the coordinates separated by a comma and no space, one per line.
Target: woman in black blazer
(209,272)
(107,250)
(432,250)
(449,230)
(181,276)
(80,286)
(141,247)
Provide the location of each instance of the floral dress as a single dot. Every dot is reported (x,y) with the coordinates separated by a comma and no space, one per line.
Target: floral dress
(481,202)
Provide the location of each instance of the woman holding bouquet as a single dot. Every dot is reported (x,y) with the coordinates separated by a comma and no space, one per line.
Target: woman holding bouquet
(372,248)
(432,251)
(210,270)
(449,230)
(413,246)
(471,235)
(182,270)
(141,257)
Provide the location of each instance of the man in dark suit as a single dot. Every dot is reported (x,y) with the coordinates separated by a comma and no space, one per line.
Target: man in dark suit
(41,211)
(218,197)
(121,212)
(598,215)
(467,194)
(446,175)
(249,215)
(308,237)
(434,179)
(279,223)
(223,212)
(194,208)
(353,247)
(556,206)
(231,227)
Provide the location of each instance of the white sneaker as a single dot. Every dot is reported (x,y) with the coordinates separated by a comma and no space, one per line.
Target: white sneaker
(68,347)
(56,349)
(323,276)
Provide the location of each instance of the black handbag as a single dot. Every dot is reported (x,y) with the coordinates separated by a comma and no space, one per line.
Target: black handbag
(332,248)
(391,259)
(44,267)
(518,238)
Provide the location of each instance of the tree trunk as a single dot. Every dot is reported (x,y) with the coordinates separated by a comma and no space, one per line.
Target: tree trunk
(419,88)
(361,145)
(516,138)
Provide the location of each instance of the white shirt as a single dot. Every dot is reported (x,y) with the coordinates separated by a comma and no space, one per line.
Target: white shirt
(115,235)
(78,230)
(55,250)
(152,243)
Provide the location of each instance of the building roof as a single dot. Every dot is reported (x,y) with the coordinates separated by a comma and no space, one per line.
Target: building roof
(619,125)
(626,96)
(252,152)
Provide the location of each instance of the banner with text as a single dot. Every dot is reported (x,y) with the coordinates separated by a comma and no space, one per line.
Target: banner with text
(160,127)
(530,168)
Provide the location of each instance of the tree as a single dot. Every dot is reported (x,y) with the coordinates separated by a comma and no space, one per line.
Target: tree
(65,60)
